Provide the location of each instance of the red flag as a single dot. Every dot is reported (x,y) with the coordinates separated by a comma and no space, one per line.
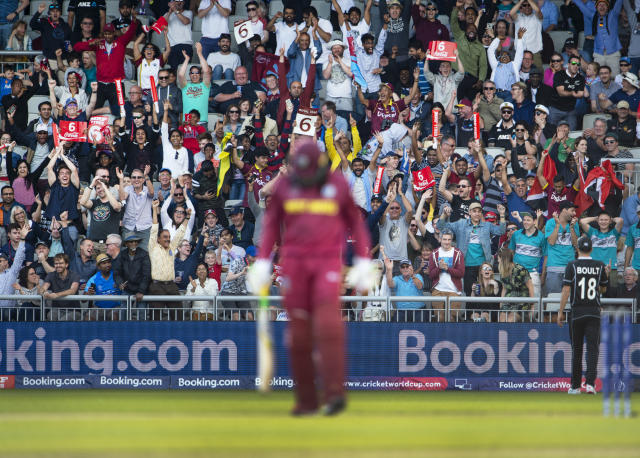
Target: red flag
(598,185)
(157,26)
(536,195)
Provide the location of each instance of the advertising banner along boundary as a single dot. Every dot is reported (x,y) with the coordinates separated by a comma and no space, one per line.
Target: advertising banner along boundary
(219,355)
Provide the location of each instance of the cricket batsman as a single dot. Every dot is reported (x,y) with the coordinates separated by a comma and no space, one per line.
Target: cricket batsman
(309,215)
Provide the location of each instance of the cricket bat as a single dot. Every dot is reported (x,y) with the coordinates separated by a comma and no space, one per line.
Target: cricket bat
(265,343)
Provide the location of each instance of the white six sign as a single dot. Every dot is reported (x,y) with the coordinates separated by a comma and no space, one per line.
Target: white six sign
(243,30)
(306,121)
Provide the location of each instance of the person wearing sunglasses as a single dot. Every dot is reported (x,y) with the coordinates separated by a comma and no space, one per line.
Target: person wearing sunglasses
(612,146)
(195,92)
(527,15)
(570,86)
(461,201)
(504,129)
(607,46)
(149,61)
(623,124)
(489,104)
(428,27)
(169,91)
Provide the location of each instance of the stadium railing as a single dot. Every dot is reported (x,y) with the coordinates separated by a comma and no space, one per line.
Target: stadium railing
(16,58)
(160,308)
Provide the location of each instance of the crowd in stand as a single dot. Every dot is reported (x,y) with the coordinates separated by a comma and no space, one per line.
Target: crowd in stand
(169,200)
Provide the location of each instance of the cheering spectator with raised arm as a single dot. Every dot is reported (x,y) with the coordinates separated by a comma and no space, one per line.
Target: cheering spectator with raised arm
(110,52)
(195,93)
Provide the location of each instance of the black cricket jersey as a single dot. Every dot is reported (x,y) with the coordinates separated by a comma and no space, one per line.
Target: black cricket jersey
(585,276)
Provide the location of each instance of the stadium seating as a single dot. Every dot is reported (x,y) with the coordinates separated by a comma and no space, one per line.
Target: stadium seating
(559,37)
(575,134)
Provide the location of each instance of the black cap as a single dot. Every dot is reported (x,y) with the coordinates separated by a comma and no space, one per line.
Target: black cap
(584,244)
(565,204)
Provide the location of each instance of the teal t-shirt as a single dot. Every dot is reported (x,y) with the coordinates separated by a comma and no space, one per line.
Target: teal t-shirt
(633,240)
(474,255)
(196,96)
(605,246)
(562,252)
(528,249)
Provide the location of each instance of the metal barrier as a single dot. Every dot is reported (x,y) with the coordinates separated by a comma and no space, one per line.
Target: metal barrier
(500,313)
(158,308)
(6,55)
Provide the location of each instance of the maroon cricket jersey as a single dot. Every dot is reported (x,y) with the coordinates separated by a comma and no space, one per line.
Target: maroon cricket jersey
(313,221)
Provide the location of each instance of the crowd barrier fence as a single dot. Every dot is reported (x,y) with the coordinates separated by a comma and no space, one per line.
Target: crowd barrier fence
(228,308)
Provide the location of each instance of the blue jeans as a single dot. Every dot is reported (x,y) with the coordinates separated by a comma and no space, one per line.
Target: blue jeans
(219,74)
(553,282)
(238,188)
(5,31)
(209,45)
(555,116)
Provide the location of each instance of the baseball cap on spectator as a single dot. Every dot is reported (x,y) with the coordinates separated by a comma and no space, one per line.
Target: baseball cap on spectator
(391,3)
(611,135)
(531,174)
(376,197)
(4,256)
(40,127)
(55,6)
(102,257)
(165,170)
(251,251)
(186,172)
(584,244)
(333,43)
(432,4)
(132,237)
(71,101)
(465,103)
(631,79)
(504,105)
(211,211)
(109,27)
(491,217)
(623,104)
(236,211)
(41,243)
(542,108)
(405,262)
(475,205)
(566,204)
(563,122)
(625,59)
(535,71)
(389,85)
(569,43)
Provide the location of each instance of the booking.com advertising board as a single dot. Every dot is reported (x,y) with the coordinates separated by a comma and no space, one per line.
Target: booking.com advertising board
(201,355)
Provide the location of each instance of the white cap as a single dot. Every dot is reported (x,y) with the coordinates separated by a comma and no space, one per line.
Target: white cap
(542,108)
(506,105)
(41,127)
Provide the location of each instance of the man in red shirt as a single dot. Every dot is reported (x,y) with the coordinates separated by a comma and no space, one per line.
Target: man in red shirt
(110,52)
(557,193)
(316,210)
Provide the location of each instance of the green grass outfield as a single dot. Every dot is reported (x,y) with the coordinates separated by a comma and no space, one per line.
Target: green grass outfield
(106,423)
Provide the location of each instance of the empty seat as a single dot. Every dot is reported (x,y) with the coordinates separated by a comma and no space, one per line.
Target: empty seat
(575,134)
(212,119)
(34,101)
(559,37)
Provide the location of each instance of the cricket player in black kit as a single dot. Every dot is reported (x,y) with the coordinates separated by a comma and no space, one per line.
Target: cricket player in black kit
(583,280)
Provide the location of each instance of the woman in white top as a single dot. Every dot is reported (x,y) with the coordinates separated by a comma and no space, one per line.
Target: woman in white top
(202,285)
(149,61)
(71,90)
